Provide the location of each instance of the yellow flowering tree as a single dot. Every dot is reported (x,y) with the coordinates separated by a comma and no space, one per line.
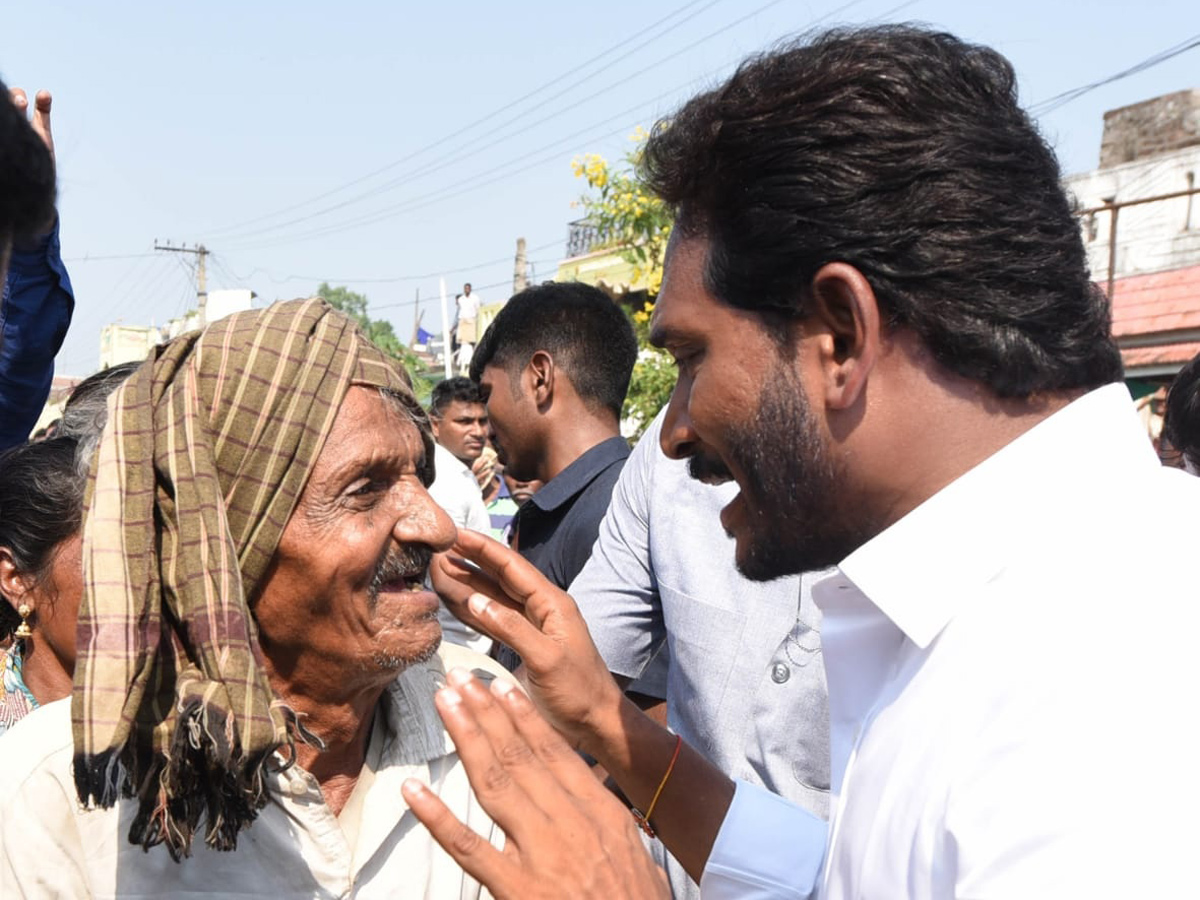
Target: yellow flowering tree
(629,219)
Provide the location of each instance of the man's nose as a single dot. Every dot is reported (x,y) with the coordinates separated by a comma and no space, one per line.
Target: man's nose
(678,438)
(422,521)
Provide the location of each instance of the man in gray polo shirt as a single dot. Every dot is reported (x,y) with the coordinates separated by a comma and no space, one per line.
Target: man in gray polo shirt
(738,662)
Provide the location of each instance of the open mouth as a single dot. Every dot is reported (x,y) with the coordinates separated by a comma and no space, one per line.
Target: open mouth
(406,583)
(403,570)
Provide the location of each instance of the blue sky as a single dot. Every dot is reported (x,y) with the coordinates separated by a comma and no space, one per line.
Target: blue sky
(382,145)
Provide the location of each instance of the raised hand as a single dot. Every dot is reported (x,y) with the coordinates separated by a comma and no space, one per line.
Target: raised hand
(41,113)
(507,598)
(40,123)
(566,835)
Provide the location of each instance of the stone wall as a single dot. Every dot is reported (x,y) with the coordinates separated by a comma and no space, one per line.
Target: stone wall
(1150,128)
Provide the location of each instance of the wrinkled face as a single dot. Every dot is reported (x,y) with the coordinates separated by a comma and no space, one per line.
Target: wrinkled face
(512,417)
(740,411)
(462,429)
(346,585)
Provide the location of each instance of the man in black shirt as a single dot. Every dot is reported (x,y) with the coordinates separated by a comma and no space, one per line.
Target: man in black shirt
(554,367)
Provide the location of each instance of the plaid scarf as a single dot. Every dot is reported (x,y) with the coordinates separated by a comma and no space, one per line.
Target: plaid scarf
(207,449)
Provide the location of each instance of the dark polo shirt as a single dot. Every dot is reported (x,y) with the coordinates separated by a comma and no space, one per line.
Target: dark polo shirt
(558,525)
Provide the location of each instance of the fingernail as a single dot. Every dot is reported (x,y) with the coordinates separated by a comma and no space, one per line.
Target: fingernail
(478,603)
(458,676)
(413,786)
(502,687)
(450,696)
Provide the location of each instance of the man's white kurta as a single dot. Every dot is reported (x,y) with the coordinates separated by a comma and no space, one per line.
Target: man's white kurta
(296,848)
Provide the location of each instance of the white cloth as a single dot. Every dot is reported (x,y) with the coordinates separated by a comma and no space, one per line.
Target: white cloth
(296,848)
(744,685)
(468,307)
(1012,674)
(457,492)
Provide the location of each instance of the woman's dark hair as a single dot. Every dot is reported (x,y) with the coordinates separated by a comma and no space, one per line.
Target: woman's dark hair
(41,502)
(903,153)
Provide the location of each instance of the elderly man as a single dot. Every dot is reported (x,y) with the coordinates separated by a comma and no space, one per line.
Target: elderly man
(887,335)
(257,655)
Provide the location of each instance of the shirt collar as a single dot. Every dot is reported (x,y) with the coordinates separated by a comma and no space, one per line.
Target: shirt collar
(919,569)
(413,730)
(579,474)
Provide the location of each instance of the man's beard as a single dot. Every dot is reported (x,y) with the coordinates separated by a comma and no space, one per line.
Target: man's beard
(794,496)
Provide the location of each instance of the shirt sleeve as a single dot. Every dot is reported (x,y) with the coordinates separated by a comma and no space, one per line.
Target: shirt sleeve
(616,591)
(35,311)
(767,849)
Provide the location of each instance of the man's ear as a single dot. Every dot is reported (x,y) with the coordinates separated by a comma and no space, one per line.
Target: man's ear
(13,584)
(434,421)
(540,373)
(846,321)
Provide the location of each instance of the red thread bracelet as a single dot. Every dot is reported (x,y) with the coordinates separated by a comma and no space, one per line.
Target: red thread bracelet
(644,820)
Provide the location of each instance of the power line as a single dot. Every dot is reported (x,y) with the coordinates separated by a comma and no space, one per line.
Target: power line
(89,258)
(1058,101)
(476,123)
(394,279)
(430,168)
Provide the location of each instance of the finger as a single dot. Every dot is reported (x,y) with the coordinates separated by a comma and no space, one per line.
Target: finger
(478,858)
(517,577)
(546,744)
(41,118)
(501,796)
(20,101)
(533,770)
(455,582)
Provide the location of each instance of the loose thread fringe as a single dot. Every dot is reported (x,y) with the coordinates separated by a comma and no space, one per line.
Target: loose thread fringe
(203,774)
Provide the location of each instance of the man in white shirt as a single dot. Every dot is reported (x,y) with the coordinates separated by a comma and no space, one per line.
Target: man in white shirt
(460,428)
(887,335)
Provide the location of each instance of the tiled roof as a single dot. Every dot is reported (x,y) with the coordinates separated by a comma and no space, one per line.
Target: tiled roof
(1155,303)
(1163,354)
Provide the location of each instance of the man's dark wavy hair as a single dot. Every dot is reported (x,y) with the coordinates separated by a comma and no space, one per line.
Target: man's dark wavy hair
(1181,423)
(26,174)
(586,333)
(903,153)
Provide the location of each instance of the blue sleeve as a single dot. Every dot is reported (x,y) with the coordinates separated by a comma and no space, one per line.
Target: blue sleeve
(35,311)
(767,849)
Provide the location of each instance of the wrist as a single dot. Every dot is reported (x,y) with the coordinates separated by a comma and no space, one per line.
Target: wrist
(605,729)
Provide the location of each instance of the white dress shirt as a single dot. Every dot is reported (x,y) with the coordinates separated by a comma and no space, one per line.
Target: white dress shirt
(457,492)
(296,848)
(1011,668)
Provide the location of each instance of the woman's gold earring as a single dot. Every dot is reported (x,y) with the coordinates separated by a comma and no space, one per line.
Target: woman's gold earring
(23,632)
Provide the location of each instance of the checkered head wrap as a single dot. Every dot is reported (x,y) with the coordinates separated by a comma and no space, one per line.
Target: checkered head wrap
(207,449)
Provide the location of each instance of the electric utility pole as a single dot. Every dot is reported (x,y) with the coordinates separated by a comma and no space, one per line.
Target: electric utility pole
(201,254)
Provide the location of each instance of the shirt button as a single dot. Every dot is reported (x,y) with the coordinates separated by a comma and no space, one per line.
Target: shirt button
(780,673)
(298,787)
